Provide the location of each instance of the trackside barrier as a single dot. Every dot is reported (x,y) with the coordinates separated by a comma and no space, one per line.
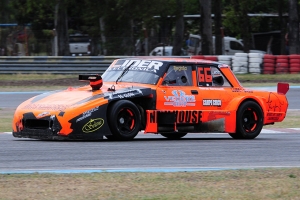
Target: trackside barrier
(58,64)
(281,64)
(240,63)
(55,64)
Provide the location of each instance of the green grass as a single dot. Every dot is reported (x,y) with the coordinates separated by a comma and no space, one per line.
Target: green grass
(251,184)
(269,78)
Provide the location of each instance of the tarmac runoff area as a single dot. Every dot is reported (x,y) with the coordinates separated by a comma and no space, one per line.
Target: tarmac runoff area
(266,130)
(147,170)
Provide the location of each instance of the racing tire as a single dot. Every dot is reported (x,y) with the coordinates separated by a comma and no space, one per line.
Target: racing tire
(124,120)
(255,60)
(294,61)
(269,65)
(173,136)
(249,121)
(294,56)
(241,54)
(224,58)
(268,69)
(270,56)
(268,60)
(255,55)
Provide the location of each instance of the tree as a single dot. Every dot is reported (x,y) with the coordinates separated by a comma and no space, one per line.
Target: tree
(218,27)
(179,30)
(206,27)
(293,27)
(241,9)
(61,28)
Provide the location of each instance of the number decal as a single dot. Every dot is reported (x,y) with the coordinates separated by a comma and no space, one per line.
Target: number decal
(204,76)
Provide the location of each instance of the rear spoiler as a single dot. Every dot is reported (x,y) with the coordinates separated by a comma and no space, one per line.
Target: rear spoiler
(95,80)
(283,88)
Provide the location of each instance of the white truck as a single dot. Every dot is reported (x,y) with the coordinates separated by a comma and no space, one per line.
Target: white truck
(80,45)
(231,45)
(165,51)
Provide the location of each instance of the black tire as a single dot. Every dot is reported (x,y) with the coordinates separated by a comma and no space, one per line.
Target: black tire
(124,120)
(249,121)
(174,136)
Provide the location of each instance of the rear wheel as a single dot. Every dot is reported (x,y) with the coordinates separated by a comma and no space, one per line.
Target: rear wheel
(249,121)
(173,136)
(124,120)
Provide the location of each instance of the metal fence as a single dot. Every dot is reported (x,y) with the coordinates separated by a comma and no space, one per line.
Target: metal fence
(55,64)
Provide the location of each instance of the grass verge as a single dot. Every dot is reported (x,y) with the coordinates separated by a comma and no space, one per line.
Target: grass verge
(267,184)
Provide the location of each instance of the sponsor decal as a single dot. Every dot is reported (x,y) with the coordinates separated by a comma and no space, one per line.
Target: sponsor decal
(212,102)
(180,68)
(87,114)
(140,65)
(274,116)
(46,107)
(241,90)
(190,117)
(217,73)
(93,125)
(126,95)
(179,99)
(43,114)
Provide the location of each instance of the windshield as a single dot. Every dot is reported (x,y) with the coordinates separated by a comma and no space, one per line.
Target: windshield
(134,71)
(130,76)
(79,39)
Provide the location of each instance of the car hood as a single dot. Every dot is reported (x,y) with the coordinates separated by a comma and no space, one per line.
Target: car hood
(74,97)
(60,100)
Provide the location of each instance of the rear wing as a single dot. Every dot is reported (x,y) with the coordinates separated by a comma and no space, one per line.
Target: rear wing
(283,88)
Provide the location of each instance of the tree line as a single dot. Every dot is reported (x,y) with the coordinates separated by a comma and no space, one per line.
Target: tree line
(118,25)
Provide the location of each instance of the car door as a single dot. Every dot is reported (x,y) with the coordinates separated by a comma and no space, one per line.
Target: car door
(177,91)
(214,90)
(176,97)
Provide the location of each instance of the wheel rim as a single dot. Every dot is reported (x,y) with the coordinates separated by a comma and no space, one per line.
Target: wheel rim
(126,121)
(250,120)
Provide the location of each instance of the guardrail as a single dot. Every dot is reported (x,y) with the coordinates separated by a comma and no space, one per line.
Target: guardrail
(241,63)
(55,64)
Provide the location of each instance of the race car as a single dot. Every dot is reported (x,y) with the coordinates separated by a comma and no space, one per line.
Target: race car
(157,95)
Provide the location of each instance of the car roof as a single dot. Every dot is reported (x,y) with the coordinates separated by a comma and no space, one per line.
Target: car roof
(172,59)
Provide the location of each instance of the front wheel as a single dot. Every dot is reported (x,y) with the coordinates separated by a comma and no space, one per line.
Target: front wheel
(124,120)
(173,136)
(249,121)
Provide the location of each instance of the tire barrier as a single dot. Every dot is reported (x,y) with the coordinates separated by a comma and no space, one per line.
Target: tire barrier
(294,64)
(269,64)
(240,63)
(225,59)
(282,64)
(255,63)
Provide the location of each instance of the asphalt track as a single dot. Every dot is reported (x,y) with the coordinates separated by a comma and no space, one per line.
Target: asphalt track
(149,153)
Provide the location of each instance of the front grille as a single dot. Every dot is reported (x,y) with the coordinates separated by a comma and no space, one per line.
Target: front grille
(38,124)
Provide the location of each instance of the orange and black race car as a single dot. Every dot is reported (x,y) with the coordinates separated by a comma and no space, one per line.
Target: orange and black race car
(167,96)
